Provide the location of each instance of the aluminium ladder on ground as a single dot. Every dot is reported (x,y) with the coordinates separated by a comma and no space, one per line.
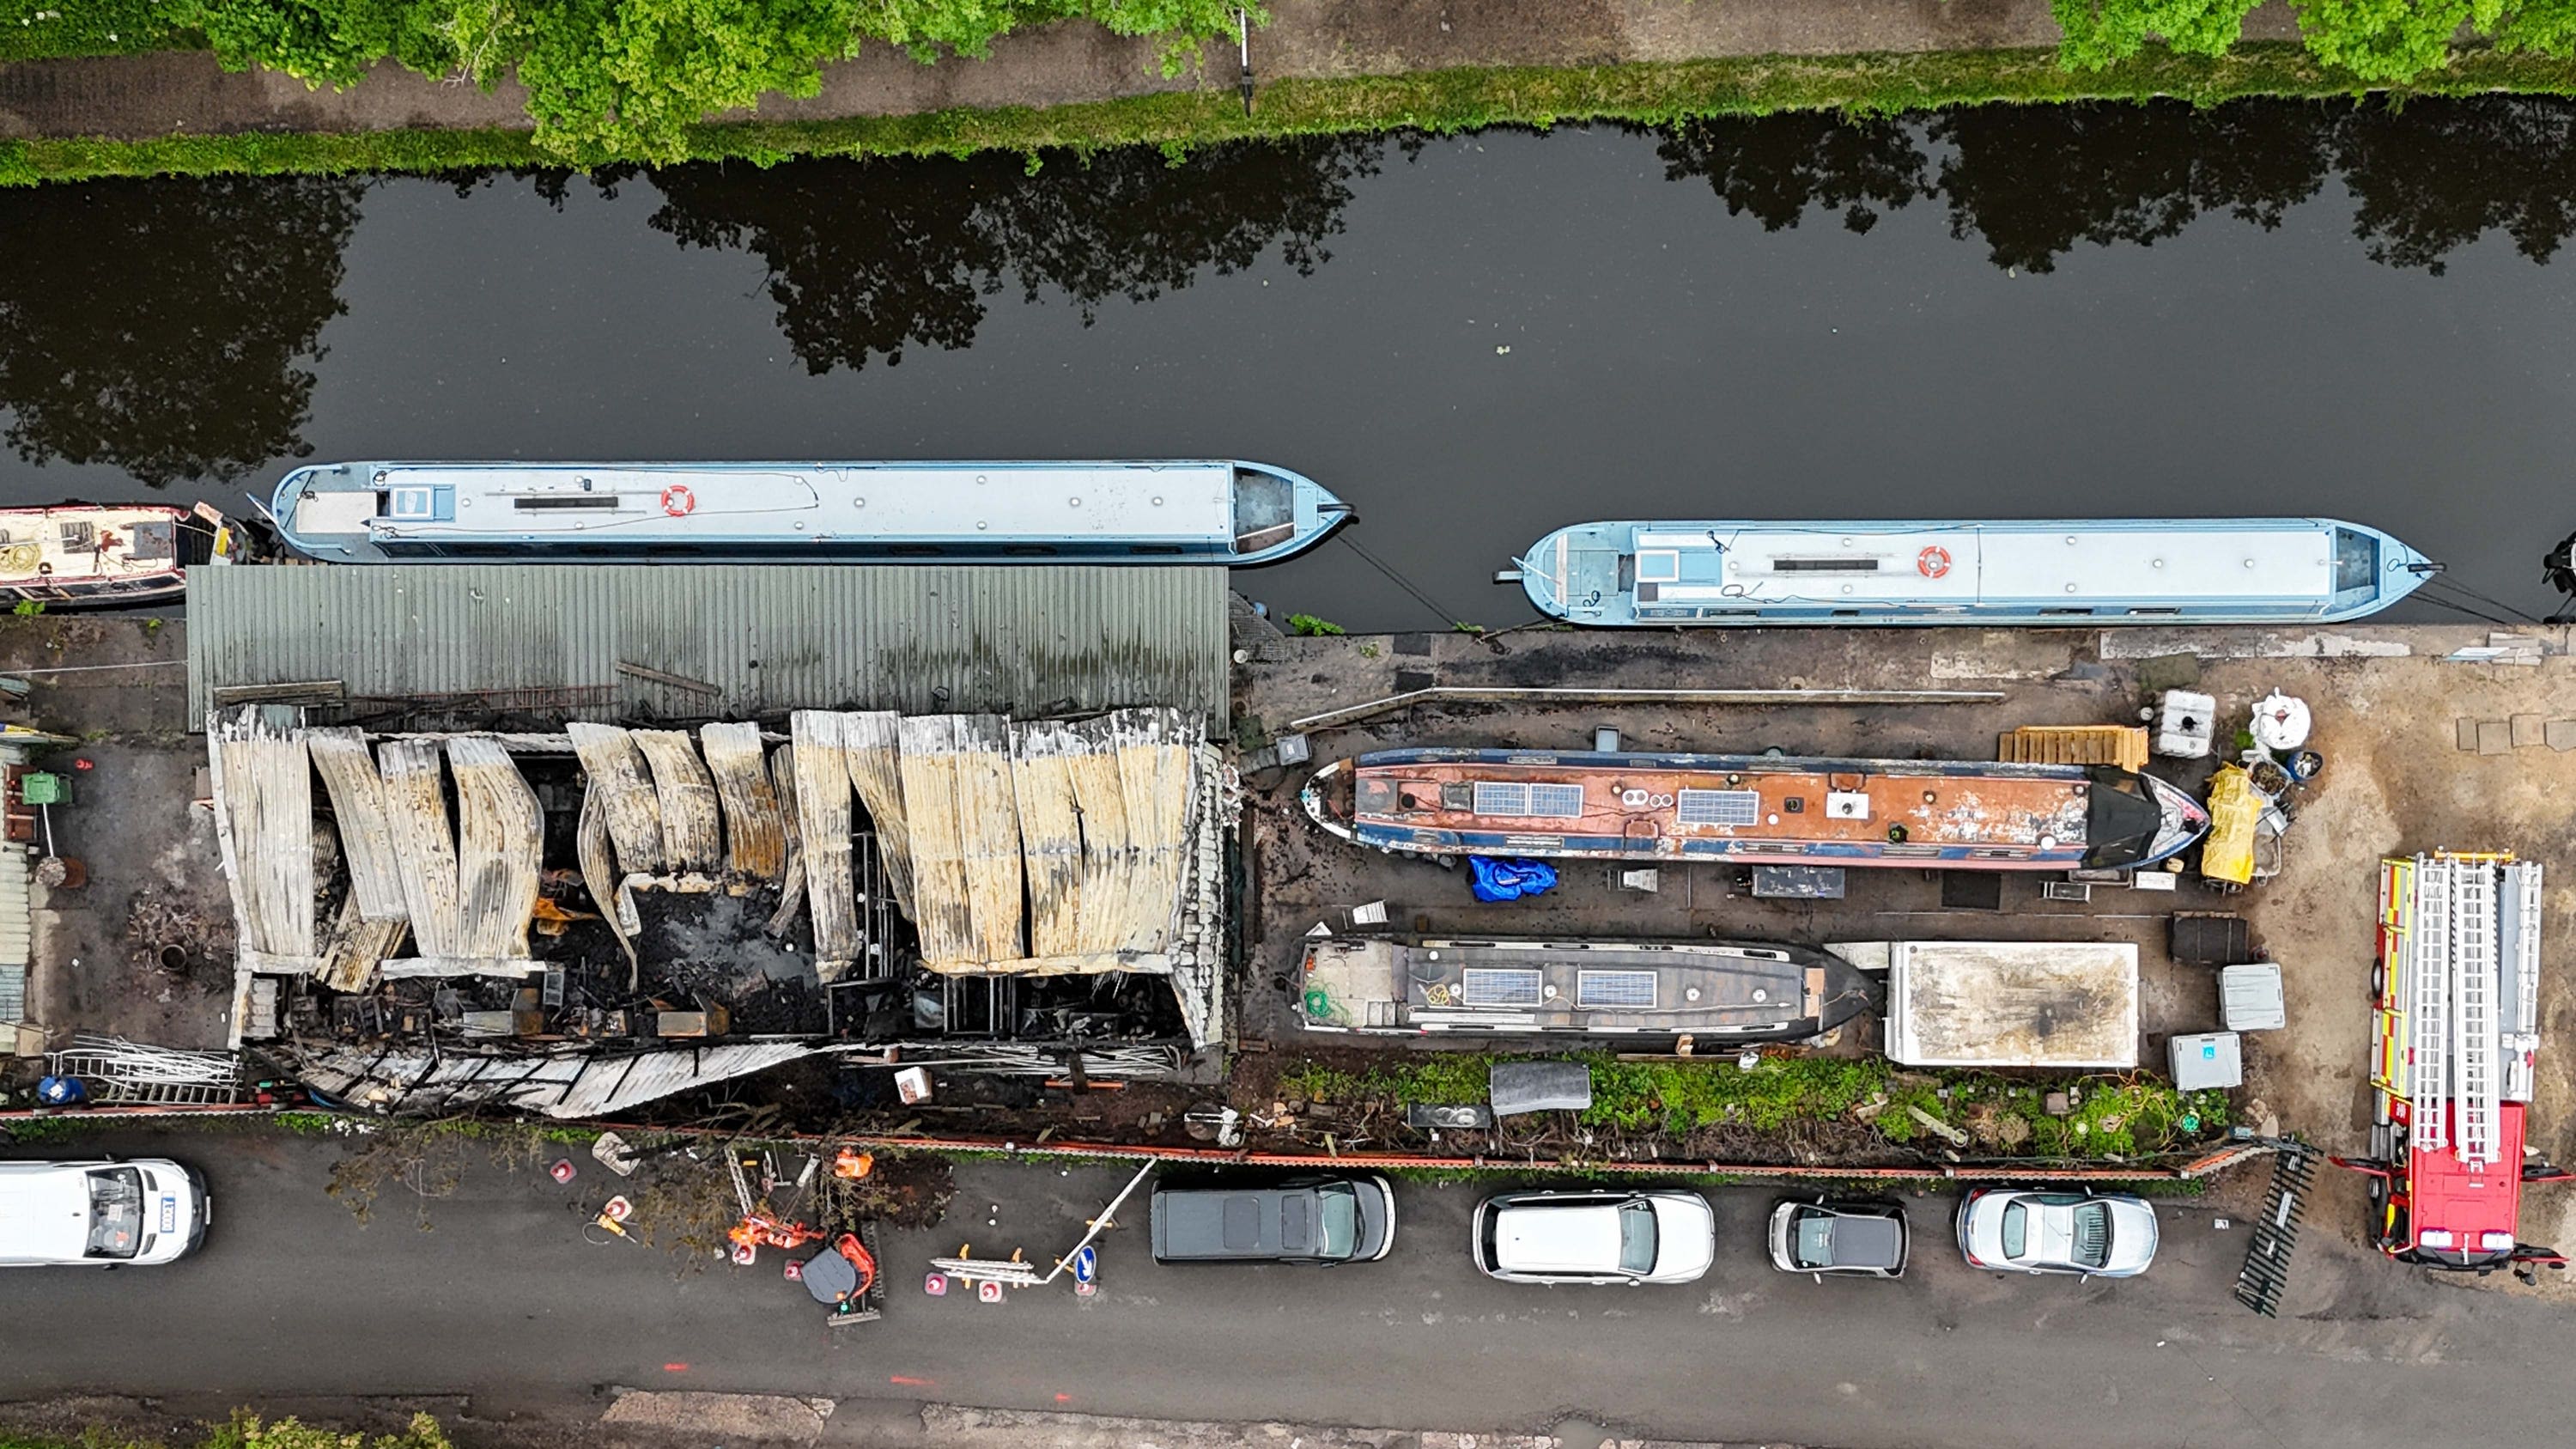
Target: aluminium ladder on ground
(2476,966)
(2426,954)
(122,1073)
(2275,1240)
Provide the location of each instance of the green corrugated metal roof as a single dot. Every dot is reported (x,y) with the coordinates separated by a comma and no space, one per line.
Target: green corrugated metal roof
(923,639)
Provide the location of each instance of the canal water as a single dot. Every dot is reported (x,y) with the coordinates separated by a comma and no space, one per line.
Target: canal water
(2269,308)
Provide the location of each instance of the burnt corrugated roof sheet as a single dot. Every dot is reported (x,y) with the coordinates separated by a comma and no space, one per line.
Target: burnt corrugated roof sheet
(606,641)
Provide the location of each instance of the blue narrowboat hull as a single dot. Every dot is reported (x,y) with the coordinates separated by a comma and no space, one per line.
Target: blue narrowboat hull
(1213,511)
(2084,573)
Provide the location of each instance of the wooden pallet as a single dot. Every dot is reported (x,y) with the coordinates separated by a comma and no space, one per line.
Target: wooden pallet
(2121,745)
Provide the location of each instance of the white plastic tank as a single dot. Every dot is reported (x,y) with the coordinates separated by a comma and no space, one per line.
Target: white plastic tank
(2281,722)
(2185,725)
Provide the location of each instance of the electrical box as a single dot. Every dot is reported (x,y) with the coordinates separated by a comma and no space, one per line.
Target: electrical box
(2208,1059)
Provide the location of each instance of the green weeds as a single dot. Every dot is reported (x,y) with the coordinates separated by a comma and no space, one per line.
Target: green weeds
(2108,1117)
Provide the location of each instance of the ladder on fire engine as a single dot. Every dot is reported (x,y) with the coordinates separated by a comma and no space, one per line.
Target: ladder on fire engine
(2475,964)
(2521,1024)
(2428,976)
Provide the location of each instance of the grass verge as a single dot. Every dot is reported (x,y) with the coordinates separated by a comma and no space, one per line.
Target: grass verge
(1433,101)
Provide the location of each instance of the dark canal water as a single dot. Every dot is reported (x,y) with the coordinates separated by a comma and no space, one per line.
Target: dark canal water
(2264,308)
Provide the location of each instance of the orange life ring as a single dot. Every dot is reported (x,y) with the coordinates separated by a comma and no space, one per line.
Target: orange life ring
(678,501)
(1932,562)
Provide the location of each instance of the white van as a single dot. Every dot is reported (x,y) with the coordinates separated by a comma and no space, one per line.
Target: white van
(101,1214)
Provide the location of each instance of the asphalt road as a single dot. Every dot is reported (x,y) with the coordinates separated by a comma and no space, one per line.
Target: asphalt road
(500,1298)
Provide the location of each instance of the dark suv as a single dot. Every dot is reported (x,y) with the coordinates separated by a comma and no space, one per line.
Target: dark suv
(1324,1220)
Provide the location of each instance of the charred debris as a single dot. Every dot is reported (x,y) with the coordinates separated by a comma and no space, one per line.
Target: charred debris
(582,920)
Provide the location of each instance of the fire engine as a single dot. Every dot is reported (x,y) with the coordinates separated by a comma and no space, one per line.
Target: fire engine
(2454,1034)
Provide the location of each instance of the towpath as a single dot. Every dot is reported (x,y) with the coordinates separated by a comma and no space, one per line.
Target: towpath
(178,93)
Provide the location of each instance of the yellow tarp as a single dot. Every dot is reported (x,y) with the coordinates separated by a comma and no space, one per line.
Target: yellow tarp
(2227,853)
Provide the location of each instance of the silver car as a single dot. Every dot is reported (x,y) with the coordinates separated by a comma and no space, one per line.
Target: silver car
(2034,1230)
(1606,1236)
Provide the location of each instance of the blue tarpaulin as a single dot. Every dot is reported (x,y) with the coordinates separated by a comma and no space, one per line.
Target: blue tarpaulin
(1509,880)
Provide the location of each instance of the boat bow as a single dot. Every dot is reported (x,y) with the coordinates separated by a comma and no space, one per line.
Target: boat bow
(1330,789)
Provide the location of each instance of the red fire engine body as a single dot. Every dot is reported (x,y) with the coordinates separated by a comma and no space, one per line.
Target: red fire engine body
(2454,1032)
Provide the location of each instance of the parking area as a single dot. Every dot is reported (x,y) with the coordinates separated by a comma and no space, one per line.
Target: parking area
(292,1295)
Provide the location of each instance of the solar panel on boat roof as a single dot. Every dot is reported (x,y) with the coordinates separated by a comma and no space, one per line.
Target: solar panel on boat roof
(1614,988)
(1510,797)
(1498,986)
(1718,807)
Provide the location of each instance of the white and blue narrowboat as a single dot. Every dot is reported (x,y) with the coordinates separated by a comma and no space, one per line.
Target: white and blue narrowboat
(1210,512)
(2041,572)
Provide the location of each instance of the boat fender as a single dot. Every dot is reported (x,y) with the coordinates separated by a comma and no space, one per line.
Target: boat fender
(678,501)
(1932,562)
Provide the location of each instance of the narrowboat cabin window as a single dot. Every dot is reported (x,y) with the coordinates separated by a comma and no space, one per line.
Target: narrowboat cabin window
(152,541)
(1265,511)
(2356,560)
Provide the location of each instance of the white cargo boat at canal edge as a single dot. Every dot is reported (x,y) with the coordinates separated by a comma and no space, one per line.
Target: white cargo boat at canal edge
(1204,511)
(2039,572)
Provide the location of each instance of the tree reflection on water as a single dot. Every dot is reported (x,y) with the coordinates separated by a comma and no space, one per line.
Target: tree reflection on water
(868,258)
(2030,182)
(167,327)
(172,328)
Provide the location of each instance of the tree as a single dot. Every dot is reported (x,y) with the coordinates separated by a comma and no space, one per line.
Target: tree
(2098,32)
(2387,41)
(626,78)
(319,42)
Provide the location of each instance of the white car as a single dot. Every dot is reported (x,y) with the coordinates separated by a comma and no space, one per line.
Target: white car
(1609,1236)
(2031,1230)
(99,1214)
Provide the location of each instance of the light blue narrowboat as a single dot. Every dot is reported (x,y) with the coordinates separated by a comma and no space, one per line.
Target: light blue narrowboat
(1211,512)
(2072,572)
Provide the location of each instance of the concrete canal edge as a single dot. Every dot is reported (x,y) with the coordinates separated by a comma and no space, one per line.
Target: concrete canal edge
(1320,69)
